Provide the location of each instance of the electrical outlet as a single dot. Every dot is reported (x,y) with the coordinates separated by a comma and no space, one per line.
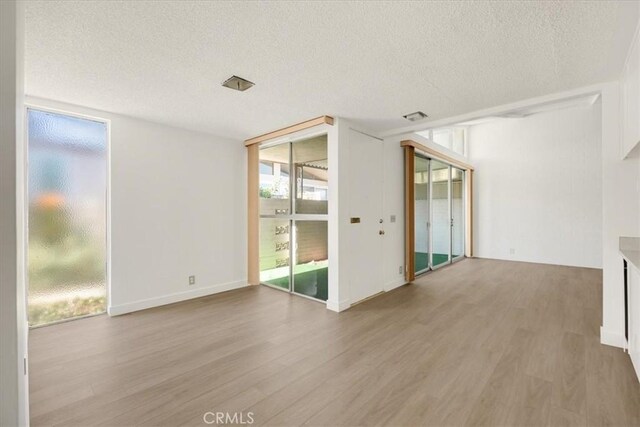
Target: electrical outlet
(192,280)
(512,251)
(392,218)
(400,270)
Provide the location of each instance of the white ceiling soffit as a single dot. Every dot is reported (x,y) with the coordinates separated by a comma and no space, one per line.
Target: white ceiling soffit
(573,102)
(370,62)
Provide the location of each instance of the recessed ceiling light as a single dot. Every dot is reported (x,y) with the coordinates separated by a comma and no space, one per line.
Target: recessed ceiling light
(237,83)
(413,117)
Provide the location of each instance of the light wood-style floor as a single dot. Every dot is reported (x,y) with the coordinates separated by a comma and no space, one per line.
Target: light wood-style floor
(482,342)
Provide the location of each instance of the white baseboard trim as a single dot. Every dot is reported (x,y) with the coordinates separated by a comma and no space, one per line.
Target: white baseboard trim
(395,284)
(117,310)
(338,306)
(612,338)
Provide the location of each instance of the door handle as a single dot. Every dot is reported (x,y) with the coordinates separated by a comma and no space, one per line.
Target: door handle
(381,232)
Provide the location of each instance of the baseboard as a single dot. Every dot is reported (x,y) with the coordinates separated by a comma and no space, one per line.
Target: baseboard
(117,310)
(395,284)
(611,338)
(338,306)
(498,258)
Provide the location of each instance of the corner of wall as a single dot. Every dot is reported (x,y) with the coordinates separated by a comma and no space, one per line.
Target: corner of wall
(338,306)
(613,339)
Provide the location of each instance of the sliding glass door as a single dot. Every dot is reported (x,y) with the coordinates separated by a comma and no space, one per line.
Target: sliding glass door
(440,214)
(294,189)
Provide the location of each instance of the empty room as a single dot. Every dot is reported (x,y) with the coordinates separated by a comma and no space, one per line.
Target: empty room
(323,213)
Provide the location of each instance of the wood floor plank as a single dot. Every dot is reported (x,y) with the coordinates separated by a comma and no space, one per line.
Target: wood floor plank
(570,385)
(480,342)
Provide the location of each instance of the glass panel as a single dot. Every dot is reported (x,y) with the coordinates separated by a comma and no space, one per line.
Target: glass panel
(312,261)
(457,212)
(443,137)
(312,180)
(457,142)
(274,251)
(67,217)
(451,138)
(421,213)
(441,219)
(274,180)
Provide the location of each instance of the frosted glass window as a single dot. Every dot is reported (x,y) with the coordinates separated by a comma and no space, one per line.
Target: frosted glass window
(67,174)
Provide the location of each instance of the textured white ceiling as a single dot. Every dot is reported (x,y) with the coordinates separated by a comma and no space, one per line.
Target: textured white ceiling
(370,62)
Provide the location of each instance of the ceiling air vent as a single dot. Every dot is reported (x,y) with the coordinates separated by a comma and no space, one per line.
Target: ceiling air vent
(237,83)
(414,117)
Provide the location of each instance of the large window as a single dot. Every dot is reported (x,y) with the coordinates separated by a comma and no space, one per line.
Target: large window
(452,138)
(294,190)
(67,174)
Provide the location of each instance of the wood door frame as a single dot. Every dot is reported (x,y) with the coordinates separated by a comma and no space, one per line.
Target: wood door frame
(289,129)
(410,147)
(409,213)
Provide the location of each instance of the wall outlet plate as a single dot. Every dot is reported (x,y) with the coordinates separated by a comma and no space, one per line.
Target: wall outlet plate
(400,270)
(192,280)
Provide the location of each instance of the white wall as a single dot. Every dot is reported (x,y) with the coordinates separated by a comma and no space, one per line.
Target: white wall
(14,406)
(178,208)
(538,187)
(393,204)
(344,251)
